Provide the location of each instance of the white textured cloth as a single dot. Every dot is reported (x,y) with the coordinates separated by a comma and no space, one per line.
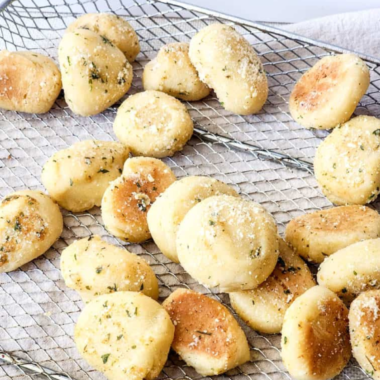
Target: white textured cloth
(357,31)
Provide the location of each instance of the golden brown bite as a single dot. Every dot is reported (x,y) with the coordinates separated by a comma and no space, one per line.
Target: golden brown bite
(315,340)
(327,95)
(128,199)
(319,234)
(364,320)
(29,82)
(30,223)
(207,336)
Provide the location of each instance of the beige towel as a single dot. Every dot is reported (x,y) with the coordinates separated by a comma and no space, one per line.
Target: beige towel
(356,31)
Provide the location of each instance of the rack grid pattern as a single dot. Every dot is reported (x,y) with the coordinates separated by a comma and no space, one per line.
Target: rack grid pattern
(37,311)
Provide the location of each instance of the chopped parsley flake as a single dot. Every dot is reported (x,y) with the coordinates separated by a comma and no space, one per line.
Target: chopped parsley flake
(106,40)
(105,358)
(141,205)
(112,288)
(281,262)
(17,226)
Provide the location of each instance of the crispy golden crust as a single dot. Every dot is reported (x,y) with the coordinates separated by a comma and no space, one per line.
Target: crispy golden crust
(29,82)
(135,194)
(327,94)
(264,308)
(205,331)
(364,319)
(315,338)
(290,276)
(309,92)
(336,219)
(325,344)
(128,199)
(194,316)
(319,234)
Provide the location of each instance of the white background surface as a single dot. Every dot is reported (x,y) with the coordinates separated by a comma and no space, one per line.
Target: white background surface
(284,10)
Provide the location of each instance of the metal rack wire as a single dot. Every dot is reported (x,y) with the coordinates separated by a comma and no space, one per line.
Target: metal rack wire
(37,311)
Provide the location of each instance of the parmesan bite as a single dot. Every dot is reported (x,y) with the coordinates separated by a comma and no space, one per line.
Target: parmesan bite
(228,242)
(94,267)
(207,336)
(125,335)
(128,199)
(352,270)
(113,29)
(29,82)
(78,176)
(315,340)
(30,223)
(227,63)
(153,124)
(327,95)
(347,162)
(364,317)
(173,73)
(95,74)
(319,234)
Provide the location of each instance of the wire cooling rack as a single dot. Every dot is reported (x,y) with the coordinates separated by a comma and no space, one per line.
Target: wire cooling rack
(37,311)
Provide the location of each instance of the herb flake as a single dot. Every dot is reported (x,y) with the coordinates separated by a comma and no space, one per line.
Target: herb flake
(105,358)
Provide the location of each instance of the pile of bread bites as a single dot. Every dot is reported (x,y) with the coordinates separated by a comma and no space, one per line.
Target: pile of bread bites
(220,239)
